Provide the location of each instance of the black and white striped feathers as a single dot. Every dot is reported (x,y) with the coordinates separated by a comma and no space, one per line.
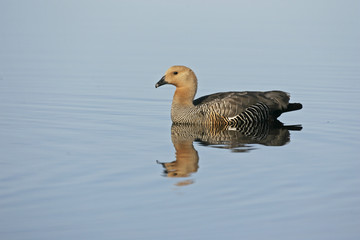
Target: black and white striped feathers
(242,108)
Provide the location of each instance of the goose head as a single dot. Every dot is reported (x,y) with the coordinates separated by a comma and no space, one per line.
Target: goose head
(180,77)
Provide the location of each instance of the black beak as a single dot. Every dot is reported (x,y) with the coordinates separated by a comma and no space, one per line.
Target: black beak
(161,82)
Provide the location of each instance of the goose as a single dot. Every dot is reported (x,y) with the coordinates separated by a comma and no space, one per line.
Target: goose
(231,109)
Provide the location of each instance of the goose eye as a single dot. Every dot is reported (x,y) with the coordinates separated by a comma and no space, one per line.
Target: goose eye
(175,73)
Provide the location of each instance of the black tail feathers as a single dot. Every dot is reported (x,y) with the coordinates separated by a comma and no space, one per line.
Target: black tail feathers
(293,107)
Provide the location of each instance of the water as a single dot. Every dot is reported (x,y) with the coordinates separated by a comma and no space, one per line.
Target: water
(83,130)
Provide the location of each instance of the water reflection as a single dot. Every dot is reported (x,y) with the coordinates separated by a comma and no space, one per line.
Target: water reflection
(237,140)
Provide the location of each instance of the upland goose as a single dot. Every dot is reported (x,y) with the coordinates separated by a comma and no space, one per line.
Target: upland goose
(231,109)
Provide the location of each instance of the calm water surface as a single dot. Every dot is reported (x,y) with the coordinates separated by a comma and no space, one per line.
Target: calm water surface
(86,143)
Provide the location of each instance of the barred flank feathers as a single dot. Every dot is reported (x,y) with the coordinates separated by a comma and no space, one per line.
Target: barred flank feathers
(258,112)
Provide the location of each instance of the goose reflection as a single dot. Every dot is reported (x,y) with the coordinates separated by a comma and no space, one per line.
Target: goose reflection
(237,140)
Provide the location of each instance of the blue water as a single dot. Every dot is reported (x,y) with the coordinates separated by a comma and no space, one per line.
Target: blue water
(83,130)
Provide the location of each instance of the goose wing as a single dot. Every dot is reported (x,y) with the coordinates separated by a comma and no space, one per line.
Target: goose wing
(231,104)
